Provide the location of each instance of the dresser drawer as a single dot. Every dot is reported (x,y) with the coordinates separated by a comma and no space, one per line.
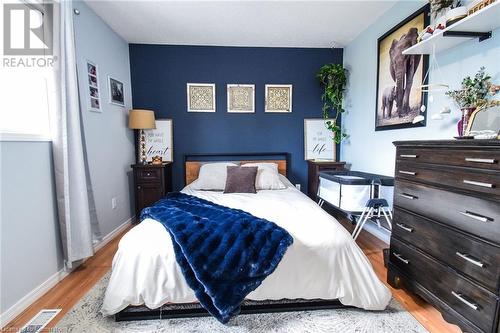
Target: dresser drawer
(474,158)
(473,215)
(149,174)
(477,259)
(480,181)
(471,301)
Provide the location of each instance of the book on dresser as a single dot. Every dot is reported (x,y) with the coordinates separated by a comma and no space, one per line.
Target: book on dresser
(445,243)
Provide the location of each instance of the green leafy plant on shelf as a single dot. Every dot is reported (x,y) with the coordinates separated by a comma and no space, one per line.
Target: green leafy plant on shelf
(333,78)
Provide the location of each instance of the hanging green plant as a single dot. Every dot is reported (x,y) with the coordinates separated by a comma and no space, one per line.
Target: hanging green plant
(333,78)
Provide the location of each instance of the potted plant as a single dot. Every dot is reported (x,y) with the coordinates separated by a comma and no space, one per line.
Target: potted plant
(333,78)
(471,96)
(447,12)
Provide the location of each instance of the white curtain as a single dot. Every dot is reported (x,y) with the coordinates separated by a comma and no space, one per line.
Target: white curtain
(76,208)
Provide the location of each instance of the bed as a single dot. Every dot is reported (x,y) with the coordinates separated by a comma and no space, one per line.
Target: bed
(322,263)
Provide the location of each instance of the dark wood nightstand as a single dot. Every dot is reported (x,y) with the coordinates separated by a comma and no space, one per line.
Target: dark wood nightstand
(314,167)
(151,183)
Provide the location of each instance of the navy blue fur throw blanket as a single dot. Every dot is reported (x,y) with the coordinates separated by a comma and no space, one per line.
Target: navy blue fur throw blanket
(223,253)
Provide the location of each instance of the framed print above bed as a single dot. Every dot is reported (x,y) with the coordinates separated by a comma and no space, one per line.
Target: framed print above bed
(159,141)
(279,98)
(318,141)
(241,98)
(399,96)
(201,97)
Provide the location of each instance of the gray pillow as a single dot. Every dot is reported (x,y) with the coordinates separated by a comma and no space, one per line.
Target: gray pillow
(240,179)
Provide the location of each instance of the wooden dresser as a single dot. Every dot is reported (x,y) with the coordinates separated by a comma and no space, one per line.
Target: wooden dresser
(313,169)
(151,183)
(445,243)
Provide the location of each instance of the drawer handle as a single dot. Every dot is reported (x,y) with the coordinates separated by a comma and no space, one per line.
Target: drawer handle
(480,160)
(465,301)
(408,173)
(404,227)
(407,196)
(470,259)
(400,258)
(472,182)
(408,156)
(475,216)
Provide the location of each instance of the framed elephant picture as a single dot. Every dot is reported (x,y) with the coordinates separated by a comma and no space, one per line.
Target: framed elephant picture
(399,77)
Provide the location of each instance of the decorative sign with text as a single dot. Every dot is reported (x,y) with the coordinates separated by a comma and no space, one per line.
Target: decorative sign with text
(159,141)
(318,141)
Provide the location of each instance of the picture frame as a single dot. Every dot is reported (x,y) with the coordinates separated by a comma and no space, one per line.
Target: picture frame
(278,98)
(93,96)
(116,91)
(159,141)
(201,97)
(241,98)
(318,140)
(399,98)
(485,121)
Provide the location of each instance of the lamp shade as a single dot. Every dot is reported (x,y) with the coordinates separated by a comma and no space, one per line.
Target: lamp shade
(141,119)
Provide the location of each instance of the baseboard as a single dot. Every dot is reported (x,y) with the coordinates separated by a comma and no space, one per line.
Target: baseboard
(31,297)
(380,233)
(109,237)
(21,305)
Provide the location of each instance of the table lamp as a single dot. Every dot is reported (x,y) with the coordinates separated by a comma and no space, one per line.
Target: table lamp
(141,120)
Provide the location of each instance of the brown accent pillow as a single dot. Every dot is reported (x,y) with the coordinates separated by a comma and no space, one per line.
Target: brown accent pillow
(240,179)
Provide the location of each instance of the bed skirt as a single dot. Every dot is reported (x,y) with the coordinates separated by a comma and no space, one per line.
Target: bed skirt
(186,310)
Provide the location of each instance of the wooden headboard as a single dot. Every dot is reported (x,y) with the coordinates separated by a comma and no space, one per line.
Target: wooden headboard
(193,162)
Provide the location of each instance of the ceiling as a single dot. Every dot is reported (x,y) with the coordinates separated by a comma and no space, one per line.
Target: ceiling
(276,23)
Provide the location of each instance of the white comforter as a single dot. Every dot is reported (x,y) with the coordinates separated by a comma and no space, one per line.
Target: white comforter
(323,261)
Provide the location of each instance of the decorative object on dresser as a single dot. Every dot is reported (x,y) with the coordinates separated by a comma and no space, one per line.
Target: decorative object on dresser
(399,99)
(278,98)
(445,244)
(313,170)
(201,97)
(333,78)
(151,183)
(141,120)
(116,92)
(241,98)
(318,141)
(159,141)
(472,94)
(484,123)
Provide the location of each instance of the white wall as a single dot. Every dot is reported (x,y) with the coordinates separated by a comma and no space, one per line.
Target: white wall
(372,151)
(31,257)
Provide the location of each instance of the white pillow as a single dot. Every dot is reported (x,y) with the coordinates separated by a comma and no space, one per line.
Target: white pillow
(212,176)
(267,176)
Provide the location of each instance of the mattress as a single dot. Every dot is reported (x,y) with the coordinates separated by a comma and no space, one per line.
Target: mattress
(323,262)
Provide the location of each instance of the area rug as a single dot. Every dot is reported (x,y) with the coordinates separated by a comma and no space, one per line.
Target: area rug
(85,317)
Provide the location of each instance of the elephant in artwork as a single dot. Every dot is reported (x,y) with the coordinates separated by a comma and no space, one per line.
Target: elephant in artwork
(403,68)
(388,97)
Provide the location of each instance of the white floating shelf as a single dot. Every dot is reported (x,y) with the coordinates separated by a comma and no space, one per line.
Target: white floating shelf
(482,21)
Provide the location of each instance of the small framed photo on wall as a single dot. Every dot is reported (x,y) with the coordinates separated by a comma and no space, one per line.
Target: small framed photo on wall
(116,93)
(201,97)
(318,141)
(279,98)
(159,141)
(93,93)
(241,98)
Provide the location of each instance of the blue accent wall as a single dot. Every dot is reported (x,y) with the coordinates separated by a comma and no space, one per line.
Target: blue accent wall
(159,75)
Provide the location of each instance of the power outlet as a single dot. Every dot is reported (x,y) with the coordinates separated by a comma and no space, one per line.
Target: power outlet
(113,203)
(297,186)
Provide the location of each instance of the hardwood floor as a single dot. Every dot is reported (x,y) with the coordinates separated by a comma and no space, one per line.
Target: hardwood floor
(70,290)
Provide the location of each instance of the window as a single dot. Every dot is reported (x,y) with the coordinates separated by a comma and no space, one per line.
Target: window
(25,85)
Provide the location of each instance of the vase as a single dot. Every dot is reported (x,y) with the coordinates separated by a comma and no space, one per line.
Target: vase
(464,120)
